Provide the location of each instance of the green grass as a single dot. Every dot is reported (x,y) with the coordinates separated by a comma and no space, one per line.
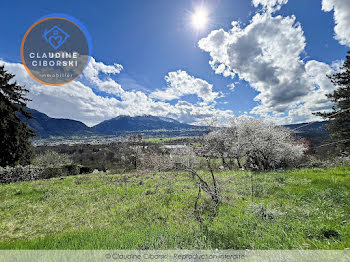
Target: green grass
(301,209)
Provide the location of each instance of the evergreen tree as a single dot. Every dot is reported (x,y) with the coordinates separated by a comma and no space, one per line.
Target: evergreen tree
(15,147)
(339,125)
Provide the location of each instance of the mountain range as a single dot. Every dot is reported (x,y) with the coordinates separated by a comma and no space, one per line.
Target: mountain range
(45,126)
(316,132)
(138,123)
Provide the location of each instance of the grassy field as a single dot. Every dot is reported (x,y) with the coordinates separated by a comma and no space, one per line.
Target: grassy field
(302,209)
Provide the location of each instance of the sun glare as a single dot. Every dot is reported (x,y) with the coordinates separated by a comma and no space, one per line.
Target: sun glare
(200,19)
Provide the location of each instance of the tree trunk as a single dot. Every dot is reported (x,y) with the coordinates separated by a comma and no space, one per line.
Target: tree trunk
(214,197)
(252,185)
(239,163)
(223,162)
(135,163)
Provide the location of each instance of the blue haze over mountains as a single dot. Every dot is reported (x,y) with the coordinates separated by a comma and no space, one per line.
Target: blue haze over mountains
(45,126)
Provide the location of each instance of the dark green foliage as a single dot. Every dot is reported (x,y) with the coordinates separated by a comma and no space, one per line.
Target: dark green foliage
(85,170)
(339,125)
(66,170)
(15,147)
(71,170)
(330,233)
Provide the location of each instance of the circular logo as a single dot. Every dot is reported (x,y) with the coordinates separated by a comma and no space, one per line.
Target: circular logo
(55,50)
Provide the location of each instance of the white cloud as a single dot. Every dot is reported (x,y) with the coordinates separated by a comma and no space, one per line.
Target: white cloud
(77,100)
(267,54)
(93,70)
(180,83)
(341,17)
(316,100)
(231,86)
(270,5)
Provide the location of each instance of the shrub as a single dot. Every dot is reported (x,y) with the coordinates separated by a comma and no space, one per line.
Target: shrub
(51,172)
(51,159)
(66,170)
(86,170)
(19,173)
(29,173)
(314,162)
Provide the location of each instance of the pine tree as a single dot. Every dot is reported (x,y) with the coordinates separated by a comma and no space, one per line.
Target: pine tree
(15,146)
(339,125)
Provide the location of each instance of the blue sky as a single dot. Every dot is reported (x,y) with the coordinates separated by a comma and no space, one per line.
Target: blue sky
(153,38)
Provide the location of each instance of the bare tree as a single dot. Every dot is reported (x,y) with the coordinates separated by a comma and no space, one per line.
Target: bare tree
(132,150)
(185,159)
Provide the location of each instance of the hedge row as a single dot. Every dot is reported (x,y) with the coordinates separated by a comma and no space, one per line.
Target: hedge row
(29,173)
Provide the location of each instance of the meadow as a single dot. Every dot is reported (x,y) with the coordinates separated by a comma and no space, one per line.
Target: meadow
(295,209)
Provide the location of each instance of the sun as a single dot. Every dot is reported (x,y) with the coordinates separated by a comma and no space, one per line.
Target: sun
(200,18)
